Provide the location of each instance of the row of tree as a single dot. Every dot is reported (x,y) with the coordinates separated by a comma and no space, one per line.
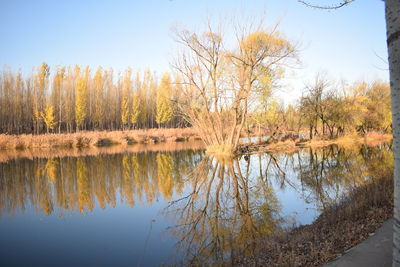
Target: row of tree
(330,110)
(74,98)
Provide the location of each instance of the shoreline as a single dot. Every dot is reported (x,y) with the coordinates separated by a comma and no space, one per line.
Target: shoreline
(46,153)
(18,144)
(97,138)
(335,231)
(292,145)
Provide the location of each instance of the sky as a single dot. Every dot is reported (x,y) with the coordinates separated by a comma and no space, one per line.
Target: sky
(348,44)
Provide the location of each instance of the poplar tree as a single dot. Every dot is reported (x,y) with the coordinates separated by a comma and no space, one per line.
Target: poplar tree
(69,106)
(80,102)
(57,95)
(39,93)
(137,102)
(48,117)
(135,108)
(126,88)
(163,103)
(98,117)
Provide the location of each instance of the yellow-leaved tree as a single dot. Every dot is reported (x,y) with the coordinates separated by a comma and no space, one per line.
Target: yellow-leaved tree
(99,98)
(163,102)
(39,93)
(126,88)
(221,84)
(80,101)
(135,108)
(48,117)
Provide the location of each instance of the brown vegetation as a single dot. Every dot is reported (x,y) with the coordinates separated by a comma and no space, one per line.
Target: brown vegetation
(95,138)
(48,153)
(341,227)
(292,144)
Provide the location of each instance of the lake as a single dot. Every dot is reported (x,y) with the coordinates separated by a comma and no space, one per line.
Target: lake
(149,208)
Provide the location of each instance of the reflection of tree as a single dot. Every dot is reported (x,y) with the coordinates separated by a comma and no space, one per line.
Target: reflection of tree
(84,186)
(165,180)
(52,168)
(233,203)
(42,189)
(327,173)
(70,183)
(229,204)
(225,211)
(128,182)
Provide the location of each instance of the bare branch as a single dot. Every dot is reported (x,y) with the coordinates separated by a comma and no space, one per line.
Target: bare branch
(339,5)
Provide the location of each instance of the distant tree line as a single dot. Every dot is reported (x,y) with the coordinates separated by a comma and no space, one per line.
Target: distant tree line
(326,109)
(73,98)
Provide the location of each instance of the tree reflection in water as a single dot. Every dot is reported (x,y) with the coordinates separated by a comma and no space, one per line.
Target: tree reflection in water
(71,184)
(218,210)
(231,204)
(325,174)
(225,211)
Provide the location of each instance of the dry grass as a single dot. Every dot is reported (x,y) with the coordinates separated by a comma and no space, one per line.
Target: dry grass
(220,150)
(289,146)
(375,138)
(371,138)
(96,138)
(292,145)
(338,229)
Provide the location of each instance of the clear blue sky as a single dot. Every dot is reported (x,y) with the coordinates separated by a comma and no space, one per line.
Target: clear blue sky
(136,34)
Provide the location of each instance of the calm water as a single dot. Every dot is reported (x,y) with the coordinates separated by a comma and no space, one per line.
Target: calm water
(154,208)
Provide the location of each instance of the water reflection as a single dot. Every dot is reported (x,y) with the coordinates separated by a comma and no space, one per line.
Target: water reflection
(225,211)
(325,173)
(233,203)
(77,184)
(217,207)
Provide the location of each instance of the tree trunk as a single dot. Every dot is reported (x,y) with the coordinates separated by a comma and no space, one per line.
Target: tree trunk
(392,12)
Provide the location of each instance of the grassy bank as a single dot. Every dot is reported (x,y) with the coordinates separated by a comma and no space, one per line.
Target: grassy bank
(341,227)
(289,145)
(96,138)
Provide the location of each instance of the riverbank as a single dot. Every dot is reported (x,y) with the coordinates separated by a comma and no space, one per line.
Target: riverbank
(96,138)
(47,153)
(339,228)
(292,144)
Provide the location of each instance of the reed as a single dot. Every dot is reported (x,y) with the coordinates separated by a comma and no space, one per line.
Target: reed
(96,138)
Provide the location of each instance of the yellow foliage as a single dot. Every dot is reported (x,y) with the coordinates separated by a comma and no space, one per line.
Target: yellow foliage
(165,179)
(164,106)
(135,109)
(48,117)
(51,168)
(84,186)
(127,86)
(80,101)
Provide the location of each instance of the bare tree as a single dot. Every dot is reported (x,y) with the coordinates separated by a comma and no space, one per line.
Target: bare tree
(220,83)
